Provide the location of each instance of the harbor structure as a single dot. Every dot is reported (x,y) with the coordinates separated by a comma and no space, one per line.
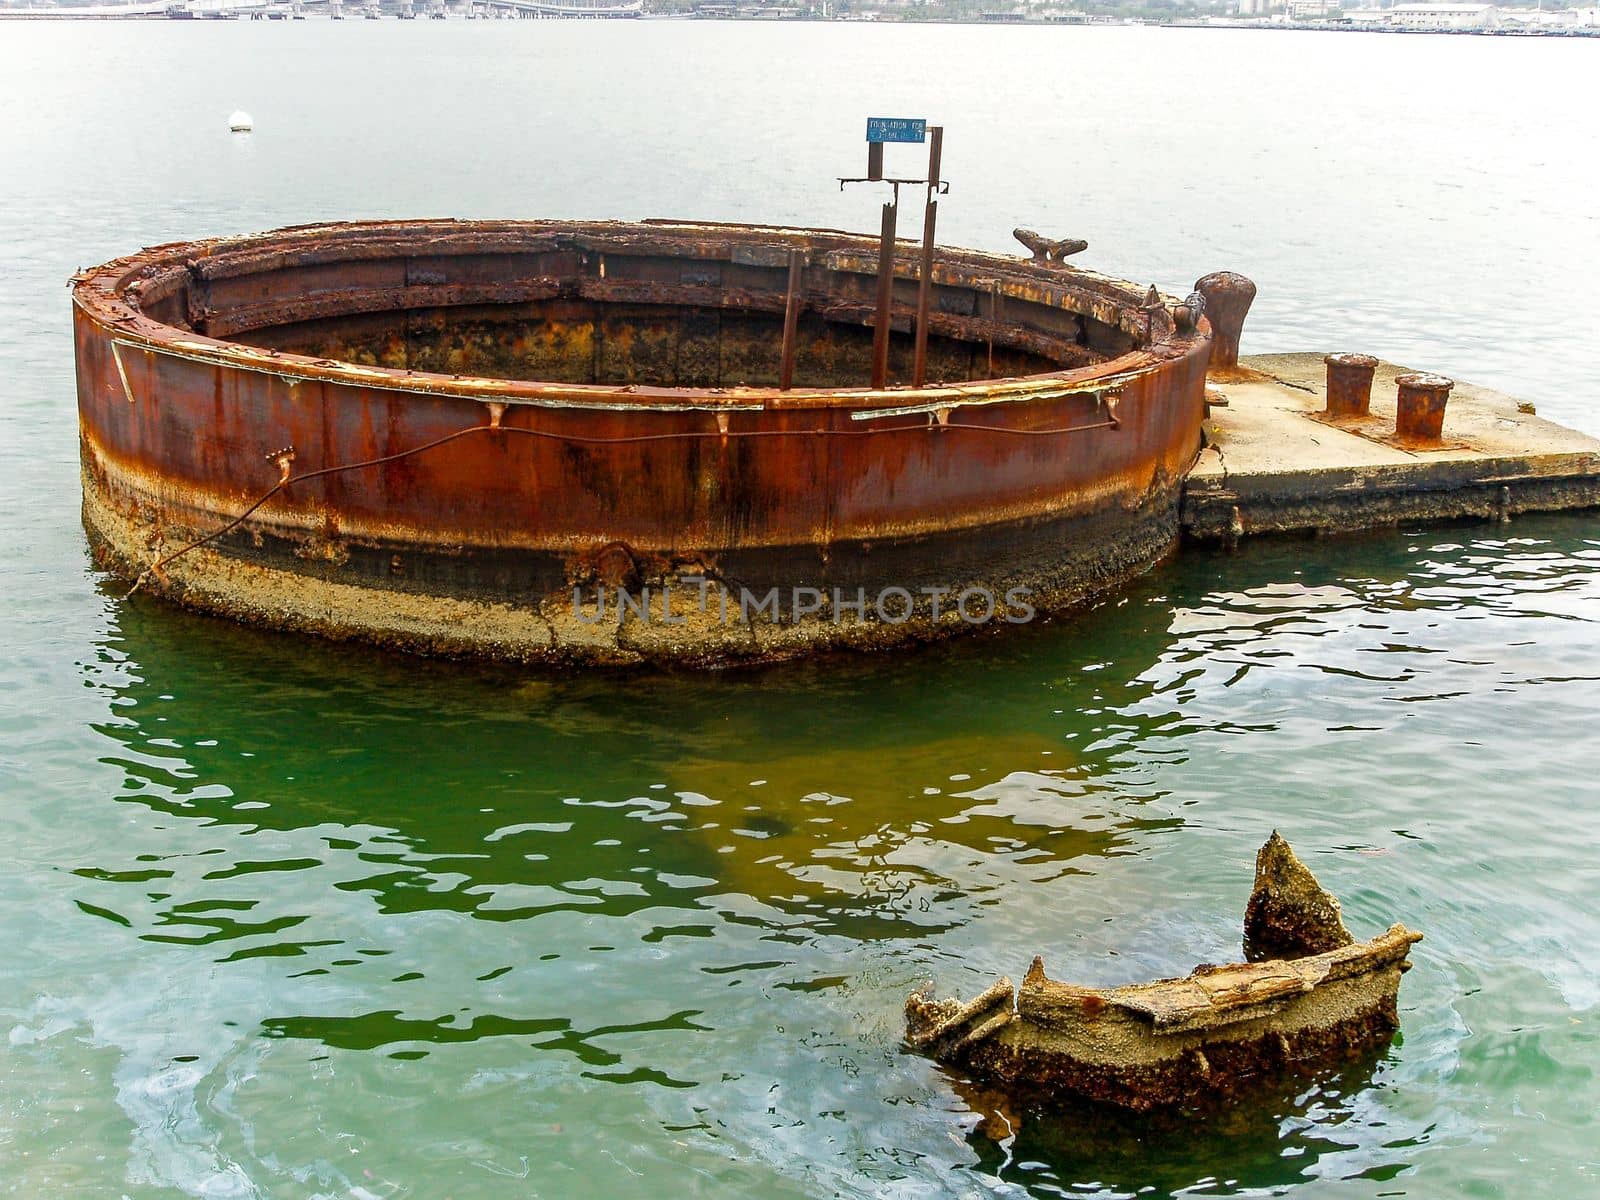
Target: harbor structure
(522,439)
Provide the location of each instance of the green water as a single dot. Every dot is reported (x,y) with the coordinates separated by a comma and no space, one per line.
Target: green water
(287,920)
(309,921)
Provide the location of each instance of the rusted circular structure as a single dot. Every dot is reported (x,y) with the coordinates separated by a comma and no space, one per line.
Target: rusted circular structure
(567,441)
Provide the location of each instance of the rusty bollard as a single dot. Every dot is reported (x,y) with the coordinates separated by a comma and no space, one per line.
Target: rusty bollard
(1228,297)
(1419,414)
(1350,384)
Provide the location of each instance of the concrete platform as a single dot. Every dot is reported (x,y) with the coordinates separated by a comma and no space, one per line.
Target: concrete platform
(1271,466)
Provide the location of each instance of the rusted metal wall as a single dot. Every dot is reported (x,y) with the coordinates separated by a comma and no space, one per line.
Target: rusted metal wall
(661,345)
(1064,478)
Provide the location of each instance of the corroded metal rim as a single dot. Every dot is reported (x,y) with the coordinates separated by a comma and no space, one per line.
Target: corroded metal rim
(119,295)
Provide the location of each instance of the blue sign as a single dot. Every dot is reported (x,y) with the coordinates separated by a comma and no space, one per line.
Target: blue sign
(897,129)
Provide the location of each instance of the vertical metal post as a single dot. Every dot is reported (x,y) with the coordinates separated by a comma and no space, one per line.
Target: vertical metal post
(994,319)
(925,276)
(791,318)
(919,369)
(880,322)
(874,160)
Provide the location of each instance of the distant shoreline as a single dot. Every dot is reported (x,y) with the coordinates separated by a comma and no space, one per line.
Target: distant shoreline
(356,14)
(1343,27)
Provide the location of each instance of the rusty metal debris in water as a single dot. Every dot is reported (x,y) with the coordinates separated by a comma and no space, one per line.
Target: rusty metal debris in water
(1307,995)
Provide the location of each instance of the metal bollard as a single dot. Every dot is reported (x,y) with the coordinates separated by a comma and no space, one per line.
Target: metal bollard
(1419,414)
(1228,295)
(1350,384)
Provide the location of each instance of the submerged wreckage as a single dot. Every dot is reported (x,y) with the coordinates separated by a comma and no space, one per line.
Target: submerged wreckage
(1307,995)
(615,443)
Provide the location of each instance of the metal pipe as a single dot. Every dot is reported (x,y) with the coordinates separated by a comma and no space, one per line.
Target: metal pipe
(930,216)
(791,319)
(880,322)
(919,371)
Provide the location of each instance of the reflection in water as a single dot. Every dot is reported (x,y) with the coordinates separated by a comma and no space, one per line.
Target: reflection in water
(833,794)
(1078,1147)
(685,909)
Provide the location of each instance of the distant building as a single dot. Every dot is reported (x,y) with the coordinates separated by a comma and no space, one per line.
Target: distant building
(1462,17)
(1539,18)
(1444,16)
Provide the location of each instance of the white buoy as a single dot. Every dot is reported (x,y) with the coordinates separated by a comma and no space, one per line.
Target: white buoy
(240,121)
